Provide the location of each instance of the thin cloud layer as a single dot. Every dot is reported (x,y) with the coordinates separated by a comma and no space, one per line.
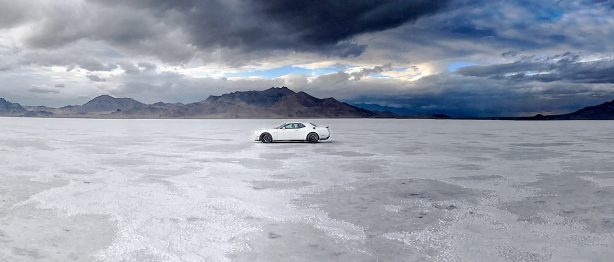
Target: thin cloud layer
(566,67)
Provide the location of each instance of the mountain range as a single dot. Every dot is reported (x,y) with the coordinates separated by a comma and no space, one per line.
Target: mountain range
(8,108)
(603,111)
(400,111)
(271,103)
(275,102)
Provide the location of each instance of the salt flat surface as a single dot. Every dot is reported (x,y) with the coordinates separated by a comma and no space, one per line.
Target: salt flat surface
(387,190)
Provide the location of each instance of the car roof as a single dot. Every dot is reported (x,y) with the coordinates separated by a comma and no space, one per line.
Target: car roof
(304,123)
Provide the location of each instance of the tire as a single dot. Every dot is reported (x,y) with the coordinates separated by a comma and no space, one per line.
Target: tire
(266,138)
(313,138)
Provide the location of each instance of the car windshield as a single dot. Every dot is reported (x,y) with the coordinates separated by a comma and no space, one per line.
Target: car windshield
(282,125)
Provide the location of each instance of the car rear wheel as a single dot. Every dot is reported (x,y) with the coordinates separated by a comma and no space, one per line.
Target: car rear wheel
(266,138)
(313,138)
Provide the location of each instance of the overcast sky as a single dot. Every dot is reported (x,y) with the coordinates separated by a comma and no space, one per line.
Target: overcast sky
(460,57)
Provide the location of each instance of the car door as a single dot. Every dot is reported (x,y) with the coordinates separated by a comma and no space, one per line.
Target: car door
(296,131)
(302,131)
(287,132)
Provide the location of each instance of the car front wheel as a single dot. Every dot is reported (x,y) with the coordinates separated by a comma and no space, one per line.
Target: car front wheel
(313,138)
(266,138)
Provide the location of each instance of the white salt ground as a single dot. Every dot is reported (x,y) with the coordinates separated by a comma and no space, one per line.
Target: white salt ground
(387,190)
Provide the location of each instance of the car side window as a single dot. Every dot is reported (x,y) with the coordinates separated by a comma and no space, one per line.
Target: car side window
(299,125)
(289,126)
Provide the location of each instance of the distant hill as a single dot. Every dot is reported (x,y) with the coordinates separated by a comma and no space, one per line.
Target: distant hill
(106,103)
(8,108)
(603,111)
(103,105)
(271,103)
(401,112)
(283,102)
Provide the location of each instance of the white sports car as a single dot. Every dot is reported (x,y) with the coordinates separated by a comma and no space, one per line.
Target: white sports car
(297,131)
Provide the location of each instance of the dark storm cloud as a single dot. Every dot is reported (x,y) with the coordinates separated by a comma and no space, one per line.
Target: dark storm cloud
(94,65)
(121,29)
(487,28)
(96,78)
(324,27)
(72,59)
(146,66)
(237,31)
(130,68)
(340,77)
(330,21)
(75,59)
(367,71)
(565,67)
(14,12)
(43,90)
(133,69)
(608,3)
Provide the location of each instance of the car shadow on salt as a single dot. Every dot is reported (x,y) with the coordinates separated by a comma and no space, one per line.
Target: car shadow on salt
(298,142)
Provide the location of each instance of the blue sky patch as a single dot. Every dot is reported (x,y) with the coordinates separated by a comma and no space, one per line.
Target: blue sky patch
(285,70)
(456,65)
